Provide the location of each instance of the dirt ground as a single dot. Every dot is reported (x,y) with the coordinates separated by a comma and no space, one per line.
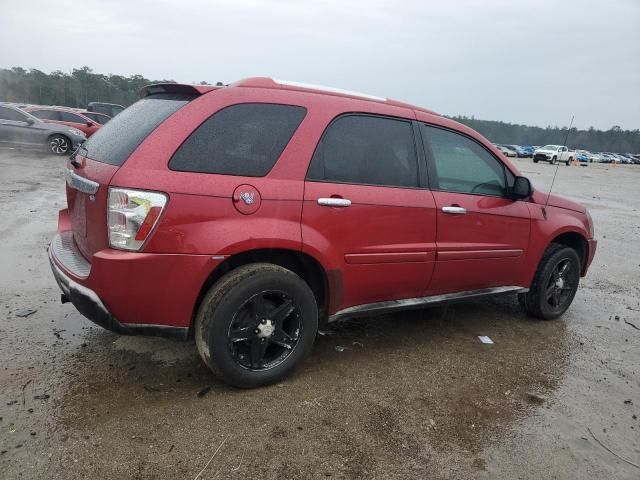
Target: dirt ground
(411,395)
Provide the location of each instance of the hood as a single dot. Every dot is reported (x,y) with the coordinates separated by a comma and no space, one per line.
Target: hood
(543,150)
(557,201)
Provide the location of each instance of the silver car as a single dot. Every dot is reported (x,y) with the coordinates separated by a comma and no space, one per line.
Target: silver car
(20,129)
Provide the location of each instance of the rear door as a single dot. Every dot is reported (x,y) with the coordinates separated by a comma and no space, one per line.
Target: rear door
(366,210)
(482,235)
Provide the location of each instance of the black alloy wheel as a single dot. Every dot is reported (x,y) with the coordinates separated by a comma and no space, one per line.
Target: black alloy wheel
(264,331)
(555,283)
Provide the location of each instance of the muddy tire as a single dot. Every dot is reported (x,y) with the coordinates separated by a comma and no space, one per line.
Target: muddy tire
(59,144)
(256,324)
(553,161)
(554,285)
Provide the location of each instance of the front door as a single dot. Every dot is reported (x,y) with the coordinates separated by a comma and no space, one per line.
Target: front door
(482,235)
(365,213)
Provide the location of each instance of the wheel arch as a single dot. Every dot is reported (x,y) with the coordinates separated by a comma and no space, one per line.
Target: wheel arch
(576,241)
(305,266)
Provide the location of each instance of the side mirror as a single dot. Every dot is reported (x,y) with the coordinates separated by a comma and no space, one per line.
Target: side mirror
(521,188)
(30,121)
(90,124)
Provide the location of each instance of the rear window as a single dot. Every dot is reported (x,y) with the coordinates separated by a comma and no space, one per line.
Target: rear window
(245,139)
(117,139)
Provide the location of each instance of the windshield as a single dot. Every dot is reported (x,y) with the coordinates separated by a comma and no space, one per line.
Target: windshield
(116,140)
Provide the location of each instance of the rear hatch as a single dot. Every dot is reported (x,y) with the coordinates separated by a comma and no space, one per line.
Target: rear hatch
(92,167)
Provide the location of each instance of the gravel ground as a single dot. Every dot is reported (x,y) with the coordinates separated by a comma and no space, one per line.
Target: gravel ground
(409,395)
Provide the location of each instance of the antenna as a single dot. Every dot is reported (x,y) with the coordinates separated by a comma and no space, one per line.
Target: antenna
(566,137)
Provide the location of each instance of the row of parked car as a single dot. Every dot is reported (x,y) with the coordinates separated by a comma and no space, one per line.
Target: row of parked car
(560,153)
(58,130)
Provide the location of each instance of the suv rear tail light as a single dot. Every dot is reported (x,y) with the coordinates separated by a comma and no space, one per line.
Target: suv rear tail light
(132,214)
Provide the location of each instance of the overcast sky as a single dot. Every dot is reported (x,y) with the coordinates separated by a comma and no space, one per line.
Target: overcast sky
(532,62)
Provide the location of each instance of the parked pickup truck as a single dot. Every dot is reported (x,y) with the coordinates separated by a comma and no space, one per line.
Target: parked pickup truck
(553,154)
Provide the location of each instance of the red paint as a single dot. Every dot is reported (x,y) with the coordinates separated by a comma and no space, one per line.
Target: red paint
(88,127)
(391,243)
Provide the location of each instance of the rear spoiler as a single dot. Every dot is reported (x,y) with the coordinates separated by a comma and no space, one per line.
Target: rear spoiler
(176,88)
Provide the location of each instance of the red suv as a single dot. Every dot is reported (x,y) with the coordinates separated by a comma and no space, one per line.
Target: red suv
(247,215)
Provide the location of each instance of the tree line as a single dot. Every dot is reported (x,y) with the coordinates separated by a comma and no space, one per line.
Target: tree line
(82,86)
(614,140)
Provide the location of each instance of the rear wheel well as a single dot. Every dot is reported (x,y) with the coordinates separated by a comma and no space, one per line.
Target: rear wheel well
(577,242)
(303,265)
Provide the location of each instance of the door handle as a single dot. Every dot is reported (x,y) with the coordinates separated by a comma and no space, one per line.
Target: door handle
(454,210)
(334,202)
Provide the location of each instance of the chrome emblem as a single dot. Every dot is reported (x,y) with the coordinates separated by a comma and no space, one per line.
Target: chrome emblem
(247,197)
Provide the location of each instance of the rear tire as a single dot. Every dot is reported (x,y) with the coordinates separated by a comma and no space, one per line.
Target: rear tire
(256,324)
(554,285)
(59,144)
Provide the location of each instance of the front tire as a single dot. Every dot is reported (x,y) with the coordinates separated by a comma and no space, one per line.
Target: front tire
(553,161)
(59,144)
(256,324)
(554,285)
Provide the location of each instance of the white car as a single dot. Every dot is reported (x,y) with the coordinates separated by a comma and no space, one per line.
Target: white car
(553,154)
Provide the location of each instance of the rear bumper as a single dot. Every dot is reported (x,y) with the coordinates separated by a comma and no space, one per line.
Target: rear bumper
(131,293)
(90,305)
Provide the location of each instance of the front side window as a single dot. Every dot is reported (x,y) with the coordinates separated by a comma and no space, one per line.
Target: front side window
(369,150)
(245,139)
(461,165)
(11,114)
(45,114)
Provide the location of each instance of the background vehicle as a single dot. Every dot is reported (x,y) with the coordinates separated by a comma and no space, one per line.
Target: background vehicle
(507,151)
(595,157)
(63,116)
(553,154)
(582,156)
(528,150)
(20,129)
(520,152)
(248,215)
(96,117)
(109,109)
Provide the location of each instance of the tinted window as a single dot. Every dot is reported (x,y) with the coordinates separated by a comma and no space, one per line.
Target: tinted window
(71,117)
(45,114)
(114,142)
(366,150)
(244,139)
(11,114)
(461,165)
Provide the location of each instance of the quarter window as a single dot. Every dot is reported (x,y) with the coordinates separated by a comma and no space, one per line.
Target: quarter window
(245,139)
(367,150)
(458,164)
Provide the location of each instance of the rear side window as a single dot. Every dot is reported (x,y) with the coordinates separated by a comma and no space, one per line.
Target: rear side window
(46,114)
(367,150)
(459,164)
(245,139)
(96,117)
(114,142)
(13,115)
(71,117)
